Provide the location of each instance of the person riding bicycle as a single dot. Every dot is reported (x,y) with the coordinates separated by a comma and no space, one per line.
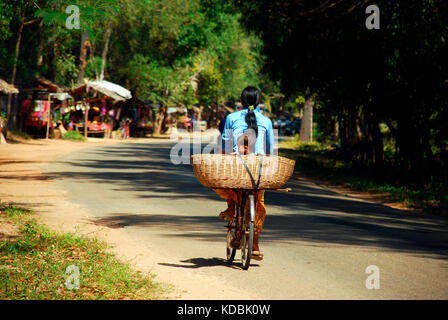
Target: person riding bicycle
(247,131)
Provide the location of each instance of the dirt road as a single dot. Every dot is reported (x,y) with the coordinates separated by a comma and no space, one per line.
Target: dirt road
(317,243)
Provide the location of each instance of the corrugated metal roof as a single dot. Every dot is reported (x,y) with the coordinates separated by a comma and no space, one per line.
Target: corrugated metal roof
(110,89)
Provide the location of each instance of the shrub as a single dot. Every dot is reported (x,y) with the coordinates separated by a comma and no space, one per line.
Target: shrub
(73,135)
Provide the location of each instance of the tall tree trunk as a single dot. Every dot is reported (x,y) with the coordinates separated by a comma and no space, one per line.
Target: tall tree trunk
(160,118)
(365,139)
(83,57)
(343,129)
(50,58)
(378,144)
(105,51)
(14,69)
(306,126)
(92,58)
(355,135)
(334,129)
(405,139)
(431,163)
(40,49)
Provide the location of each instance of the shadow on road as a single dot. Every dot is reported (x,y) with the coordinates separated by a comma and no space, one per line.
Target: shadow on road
(308,213)
(195,263)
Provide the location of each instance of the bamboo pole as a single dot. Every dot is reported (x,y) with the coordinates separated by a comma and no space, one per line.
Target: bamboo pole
(86,117)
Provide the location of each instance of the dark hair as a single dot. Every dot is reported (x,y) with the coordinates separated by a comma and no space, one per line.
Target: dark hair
(251,96)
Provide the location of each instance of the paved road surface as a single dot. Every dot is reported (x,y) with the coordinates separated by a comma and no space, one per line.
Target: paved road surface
(317,243)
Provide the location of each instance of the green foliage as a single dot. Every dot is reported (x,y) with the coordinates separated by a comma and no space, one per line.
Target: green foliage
(300,100)
(3,118)
(33,266)
(12,211)
(304,147)
(169,51)
(73,135)
(13,14)
(5,19)
(66,69)
(181,43)
(91,12)
(318,161)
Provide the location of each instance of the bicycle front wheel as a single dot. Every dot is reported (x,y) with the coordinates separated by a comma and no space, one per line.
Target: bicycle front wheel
(230,251)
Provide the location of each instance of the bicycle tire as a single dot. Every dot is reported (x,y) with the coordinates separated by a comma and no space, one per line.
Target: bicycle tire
(230,252)
(246,246)
(248,234)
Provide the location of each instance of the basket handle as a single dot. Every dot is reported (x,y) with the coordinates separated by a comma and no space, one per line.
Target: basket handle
(250,173)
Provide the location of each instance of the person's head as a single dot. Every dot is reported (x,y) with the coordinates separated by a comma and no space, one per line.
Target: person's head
(250,98)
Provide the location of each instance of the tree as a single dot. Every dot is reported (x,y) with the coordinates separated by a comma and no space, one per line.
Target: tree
(395,75)
(166,51)
(187,51)
(92,15)
(22,10)
(306,128)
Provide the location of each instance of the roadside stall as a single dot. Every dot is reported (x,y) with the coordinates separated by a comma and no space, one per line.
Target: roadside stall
(177,118)
(215,114)
(43,108)
(197,117)
(139,114)
(95,109)
(5,90)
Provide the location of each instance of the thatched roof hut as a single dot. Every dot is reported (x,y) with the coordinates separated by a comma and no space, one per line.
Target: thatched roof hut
(45,84)
(106,88)
(7,88)
(132,103)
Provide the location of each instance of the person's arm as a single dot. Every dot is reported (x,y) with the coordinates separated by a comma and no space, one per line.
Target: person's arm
(270,139)
(226,135)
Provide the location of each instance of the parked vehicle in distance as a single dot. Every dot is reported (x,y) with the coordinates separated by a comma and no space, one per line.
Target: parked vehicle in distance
(281,124)
(293,127)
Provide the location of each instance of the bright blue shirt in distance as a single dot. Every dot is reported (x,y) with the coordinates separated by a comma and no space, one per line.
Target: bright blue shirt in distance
(236,125)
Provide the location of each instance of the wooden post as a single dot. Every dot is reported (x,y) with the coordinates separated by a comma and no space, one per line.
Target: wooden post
(48,116)
(85,121)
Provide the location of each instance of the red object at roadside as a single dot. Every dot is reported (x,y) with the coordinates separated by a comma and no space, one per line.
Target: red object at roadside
(126,129)
(99,126)
(26,106)
(36,122)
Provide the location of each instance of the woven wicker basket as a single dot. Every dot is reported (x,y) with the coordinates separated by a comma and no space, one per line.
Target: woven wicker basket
(228,171)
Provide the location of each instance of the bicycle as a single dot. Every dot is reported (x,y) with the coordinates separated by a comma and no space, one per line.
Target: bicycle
(240,230)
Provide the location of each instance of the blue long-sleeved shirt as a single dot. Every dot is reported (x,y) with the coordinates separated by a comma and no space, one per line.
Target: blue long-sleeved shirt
(236,125)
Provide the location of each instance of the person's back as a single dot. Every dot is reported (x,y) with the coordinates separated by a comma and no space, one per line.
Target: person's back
(249,120)
(236,126)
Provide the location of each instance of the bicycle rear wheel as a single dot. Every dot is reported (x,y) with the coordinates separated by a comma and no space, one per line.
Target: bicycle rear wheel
(248,233)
